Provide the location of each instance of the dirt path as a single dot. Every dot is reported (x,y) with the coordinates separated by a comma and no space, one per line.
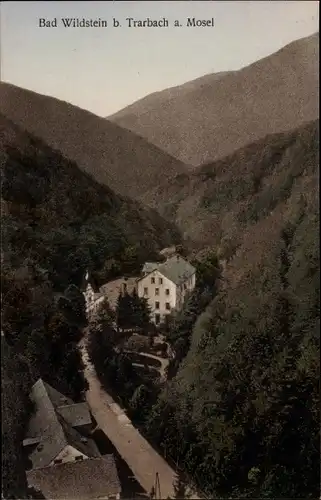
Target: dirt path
(143,460)
(164,362)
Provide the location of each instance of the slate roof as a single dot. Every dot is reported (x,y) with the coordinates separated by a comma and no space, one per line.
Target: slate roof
(150,266)
(176,269)
(81,480)
(54,432)
(56,398)
(168,250)
(75,414)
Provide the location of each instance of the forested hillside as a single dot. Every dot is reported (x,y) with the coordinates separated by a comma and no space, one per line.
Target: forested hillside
(14,411)
(240,411)
(210,117)
(56,223)
(118,158)
(241,416)
(219,203)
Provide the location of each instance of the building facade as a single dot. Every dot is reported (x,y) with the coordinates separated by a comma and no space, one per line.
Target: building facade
(63,461)
(166,286)
(93,299)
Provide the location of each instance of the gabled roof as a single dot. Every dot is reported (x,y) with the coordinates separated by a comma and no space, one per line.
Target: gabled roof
(150,266)
(168,251)
(56,398)
(81,480)
(53,431)
(75,414)
(176,269)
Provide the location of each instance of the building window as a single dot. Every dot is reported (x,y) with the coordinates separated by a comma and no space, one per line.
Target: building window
(156,305)
(167,291)
(152,280)
(185,286)
(58,461)
(167,306)
(79,457)
(160,281)
(145,291)
(156,291)
(157,319)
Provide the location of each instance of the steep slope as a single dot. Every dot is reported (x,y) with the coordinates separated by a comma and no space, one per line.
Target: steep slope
(51,206)
(242,414)
(56,221)
(213,116)
(156,99)
(14,418)
(217,204)
(113,156)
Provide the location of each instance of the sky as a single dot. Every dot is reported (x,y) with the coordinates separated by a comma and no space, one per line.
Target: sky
(105,69)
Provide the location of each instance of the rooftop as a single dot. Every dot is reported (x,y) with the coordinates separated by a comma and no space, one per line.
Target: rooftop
(76,414)
(150,266)
(48,426)
(82,480)
(175,268)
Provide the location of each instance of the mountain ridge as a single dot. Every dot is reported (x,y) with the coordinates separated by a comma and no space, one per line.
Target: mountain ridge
(275,94)
(115,157)
(213,204)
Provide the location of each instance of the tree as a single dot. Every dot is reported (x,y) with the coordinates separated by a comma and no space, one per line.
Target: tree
(132,311)
(76,303)
(130,259)
(140,311)
(105,318)
(138,401)
(124,311)
(180,488)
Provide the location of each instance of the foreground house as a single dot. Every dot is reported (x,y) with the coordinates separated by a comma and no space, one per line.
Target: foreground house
(56,429)
(166,285)
(57,442)
(95,478)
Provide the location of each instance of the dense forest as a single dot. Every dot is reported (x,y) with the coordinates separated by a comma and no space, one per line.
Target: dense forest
(57,222)
(241,416)
(114,156)
(239,412)
(218,203)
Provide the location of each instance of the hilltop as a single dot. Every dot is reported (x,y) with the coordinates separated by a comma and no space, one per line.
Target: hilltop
(113,156)
(211,117)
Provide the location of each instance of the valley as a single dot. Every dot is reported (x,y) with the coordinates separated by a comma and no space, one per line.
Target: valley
(162,268)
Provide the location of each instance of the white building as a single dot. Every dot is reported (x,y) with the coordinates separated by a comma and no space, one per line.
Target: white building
(93,299)
(165,285)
